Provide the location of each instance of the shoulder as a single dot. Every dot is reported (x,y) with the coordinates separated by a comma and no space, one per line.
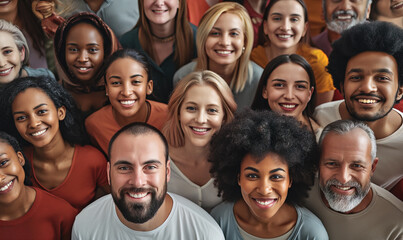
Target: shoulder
(158,106)
(96,213)
(39,72)
(129,39)
(90,154)
(327,112)
(94,117)
(313,55)
(190,213)
(183,71)
(386,198)
(309,225)
(53,204)
(222,211)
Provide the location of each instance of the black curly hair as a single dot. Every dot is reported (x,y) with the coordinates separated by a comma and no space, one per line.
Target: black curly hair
(375,36)
(10,140)
(71,127)
(257,134)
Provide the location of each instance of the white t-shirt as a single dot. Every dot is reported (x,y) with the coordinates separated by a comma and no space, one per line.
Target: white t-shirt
(186,221)
(389,169)
(382,219)
(205,196)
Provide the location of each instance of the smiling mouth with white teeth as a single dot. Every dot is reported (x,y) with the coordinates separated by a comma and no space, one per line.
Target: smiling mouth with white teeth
(7,186)
(397,5)
(6,71)
(38,133)
(343,188)
(200,130)
(284,35)
(127,102)
(265,203)
(224,52)
(138,195)
(367,101)
(288,105)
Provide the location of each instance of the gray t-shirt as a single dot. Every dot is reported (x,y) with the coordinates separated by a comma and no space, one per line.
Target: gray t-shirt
(186,221)
(308,226)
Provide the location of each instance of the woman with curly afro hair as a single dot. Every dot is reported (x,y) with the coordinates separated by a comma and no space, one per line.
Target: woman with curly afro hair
(263,164)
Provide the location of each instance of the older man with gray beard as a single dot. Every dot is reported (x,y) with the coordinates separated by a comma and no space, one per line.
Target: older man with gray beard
(339,16)
(347,203)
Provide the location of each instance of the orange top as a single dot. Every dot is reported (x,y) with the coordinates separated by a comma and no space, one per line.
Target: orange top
(48,218)
(101,132)
(87,172)
(315,57)
(196,9)
(315,15)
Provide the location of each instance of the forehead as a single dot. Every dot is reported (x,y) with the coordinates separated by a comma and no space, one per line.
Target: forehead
(6,148)
(373,61)
(6,40)
(269,162)
(289,71)
(290,7)
(84,31)
(202,94)
(126,64)
(351,146)
(356,2)
(229,20)
(137,149)
(32,96)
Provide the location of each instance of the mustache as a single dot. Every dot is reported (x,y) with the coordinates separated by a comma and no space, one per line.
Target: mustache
(350,183)
(137,190)
(344,12)
(367,95)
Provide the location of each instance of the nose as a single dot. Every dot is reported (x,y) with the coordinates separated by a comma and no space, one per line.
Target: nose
(368,85)
(289,94)
(345,5)
(264,186)
(224,40)
(83,57)
(127,89)
(34,121)
(343,175)
(159,2)
(201,117)
(2,176)
(286,25)
(137,179)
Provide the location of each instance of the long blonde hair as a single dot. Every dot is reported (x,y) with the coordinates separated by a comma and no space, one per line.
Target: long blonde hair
(172,129)
(183,34)
(207,22)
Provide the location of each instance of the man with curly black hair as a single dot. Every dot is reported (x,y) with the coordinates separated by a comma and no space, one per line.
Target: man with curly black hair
(367,68)
(263,164)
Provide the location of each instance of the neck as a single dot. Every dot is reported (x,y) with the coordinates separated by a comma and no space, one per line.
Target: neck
(163,30)
(332,36)
(382,127)
(95,5)
(191,154)
(159,218)
(140,116)
(272,51)
(257,5)
(397,21)
(20,206)
(11,17)
(226,71)
(54,151)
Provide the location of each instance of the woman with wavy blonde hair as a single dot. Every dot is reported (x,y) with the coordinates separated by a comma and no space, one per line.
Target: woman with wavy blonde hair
(200,104)
(166,37)
(224,42)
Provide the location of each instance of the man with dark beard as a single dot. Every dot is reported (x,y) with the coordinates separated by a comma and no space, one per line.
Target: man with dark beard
(340,15)
(139,206)
(347,203)
(367,68)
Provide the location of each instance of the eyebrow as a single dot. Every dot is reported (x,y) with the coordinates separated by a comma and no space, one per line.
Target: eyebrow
(232,29)
(132,76)
(292,15)
(282,80)
(212,104)
(40,105)
(380,70)
(89,44)
(271,171)
(125,162)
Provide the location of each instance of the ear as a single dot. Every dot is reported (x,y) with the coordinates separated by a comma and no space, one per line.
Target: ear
(22,54)
(368,11)
(150,86)
(61,113)
(310,93)
(373,167)
(21,158)
(342,89)
(168,170)
(239,179)
(264,93)
(305,29)
(108,172)
(399,94)
(106,90)
(289,185)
